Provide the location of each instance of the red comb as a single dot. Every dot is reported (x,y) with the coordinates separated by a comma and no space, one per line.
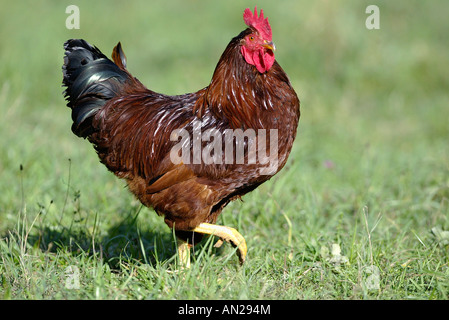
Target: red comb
(258,23)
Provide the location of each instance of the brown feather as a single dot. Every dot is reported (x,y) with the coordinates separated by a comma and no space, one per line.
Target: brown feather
(118,56)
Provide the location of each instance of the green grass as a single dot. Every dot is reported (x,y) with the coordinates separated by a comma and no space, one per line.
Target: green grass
(369,172)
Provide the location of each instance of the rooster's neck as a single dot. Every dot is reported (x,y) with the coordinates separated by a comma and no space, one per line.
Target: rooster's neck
(238,93)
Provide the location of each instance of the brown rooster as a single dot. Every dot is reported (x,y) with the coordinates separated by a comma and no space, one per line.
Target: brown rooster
(188,156)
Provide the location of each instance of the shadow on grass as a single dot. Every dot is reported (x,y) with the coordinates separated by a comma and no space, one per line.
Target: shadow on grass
(123,242)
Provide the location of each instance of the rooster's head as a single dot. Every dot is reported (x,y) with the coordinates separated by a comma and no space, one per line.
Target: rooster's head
(257,46)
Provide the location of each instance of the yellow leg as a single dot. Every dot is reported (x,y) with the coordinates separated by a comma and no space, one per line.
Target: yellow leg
(184,254)
(227,234)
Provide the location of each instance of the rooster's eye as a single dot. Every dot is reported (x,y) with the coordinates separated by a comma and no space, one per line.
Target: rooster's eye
(251,38)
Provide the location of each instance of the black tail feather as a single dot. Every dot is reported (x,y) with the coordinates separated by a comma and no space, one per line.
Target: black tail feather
(91,79)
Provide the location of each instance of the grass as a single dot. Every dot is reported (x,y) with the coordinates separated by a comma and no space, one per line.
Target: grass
(361,211)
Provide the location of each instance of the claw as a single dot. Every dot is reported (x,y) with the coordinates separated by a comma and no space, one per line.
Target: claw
(227,234)
(218,244)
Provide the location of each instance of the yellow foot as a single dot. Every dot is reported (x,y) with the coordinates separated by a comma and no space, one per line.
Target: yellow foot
(227,234)
(184,254)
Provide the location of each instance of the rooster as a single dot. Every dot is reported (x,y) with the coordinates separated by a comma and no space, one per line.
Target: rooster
(135,131)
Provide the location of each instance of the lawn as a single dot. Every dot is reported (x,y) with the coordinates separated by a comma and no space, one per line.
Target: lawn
(361,210)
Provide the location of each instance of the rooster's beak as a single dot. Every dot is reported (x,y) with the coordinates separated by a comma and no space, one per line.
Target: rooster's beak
(269,45)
